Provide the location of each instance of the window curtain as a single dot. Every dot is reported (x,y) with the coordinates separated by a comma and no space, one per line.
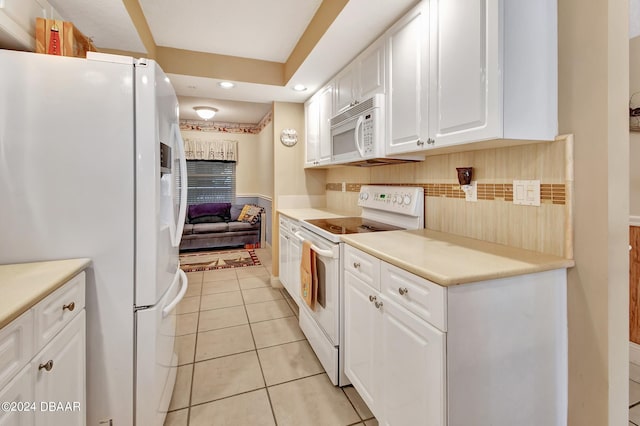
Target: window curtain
(220,150)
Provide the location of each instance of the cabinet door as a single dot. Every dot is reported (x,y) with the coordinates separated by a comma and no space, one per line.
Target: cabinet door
(361,324)
(345,88)
(325,112)
(295,256)
(370,70)
(60,377)
(19,391)
(283,258)
(312,131)
(413,373)
(466,71)
(408,79)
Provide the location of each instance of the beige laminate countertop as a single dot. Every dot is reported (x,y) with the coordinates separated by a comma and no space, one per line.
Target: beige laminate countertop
(305,214)
(22,285)
(448,259)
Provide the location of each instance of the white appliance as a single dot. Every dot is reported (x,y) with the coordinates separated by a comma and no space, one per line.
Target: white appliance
(357,133)
(384,208)
(92,165)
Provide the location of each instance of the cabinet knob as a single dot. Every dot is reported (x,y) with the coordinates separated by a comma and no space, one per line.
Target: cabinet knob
(47,366)
(403,291)
(431,141)
(71,306)
(420,143)
(378,305)
(356,265)
(372,298)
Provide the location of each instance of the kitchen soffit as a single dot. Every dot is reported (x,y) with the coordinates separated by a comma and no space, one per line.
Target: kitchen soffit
(214,27)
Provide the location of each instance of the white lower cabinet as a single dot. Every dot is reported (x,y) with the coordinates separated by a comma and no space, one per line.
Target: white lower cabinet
(394,359)
(290,253)
(362,323)
(18,391)
(60,377)
(47,346)
(492,352)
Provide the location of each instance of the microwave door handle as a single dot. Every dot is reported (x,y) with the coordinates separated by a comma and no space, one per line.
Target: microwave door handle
(318,250)
(357,136)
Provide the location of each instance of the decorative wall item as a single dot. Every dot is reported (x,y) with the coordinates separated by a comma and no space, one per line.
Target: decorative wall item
(634,112)
(221,150)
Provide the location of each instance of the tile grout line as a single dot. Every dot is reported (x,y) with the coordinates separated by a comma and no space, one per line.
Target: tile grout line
(193,364)
(264,380)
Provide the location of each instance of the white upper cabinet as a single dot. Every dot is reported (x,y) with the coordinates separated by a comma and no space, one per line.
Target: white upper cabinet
(407,127)
(362,78)
(345,93)
(493,71)
(467,99)
(318,112)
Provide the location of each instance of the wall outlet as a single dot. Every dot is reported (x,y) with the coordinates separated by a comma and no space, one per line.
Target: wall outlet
(526,192)
(470,191)
(344,186)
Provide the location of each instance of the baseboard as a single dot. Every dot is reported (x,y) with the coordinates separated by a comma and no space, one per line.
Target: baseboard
(634,353)
(634,220)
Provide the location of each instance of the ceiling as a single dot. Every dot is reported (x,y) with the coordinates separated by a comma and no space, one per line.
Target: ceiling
(202,42)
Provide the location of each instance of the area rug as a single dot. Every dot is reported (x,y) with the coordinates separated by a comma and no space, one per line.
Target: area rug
(209,260)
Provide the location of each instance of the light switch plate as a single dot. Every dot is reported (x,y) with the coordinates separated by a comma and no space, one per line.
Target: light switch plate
(471,191)
(526,192)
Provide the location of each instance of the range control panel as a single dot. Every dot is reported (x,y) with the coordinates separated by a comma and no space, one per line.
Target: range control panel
(398,199)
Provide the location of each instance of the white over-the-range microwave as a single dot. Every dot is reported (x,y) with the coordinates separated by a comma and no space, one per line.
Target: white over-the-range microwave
(358,132)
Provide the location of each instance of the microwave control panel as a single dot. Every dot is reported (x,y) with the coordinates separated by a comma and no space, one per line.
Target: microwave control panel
(368,132)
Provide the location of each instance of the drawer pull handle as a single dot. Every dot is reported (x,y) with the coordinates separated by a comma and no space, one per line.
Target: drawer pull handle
(71,306)
(378,305)
(403,291)
(47,366)
(372,298)
(356,265)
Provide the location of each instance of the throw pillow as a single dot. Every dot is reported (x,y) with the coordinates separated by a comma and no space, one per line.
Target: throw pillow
(243,213)
(252,215)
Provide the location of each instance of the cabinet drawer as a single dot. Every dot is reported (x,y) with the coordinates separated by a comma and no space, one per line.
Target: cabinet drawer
(16,346)
(422,297)
(363,266)
(57,309)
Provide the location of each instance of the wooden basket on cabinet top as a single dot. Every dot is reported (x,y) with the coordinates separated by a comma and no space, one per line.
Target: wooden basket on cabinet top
(72,41)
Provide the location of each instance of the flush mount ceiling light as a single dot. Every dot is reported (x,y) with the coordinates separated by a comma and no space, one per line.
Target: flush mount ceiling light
(299,88)
(205,112)
(226,85)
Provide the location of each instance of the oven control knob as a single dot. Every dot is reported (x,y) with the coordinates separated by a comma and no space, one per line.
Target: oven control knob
(407,200)
(364,195)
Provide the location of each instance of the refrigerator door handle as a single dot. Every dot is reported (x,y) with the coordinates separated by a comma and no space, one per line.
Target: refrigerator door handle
(183,289)
(183,184)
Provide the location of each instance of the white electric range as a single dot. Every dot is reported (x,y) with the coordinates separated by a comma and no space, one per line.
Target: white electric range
(384,208)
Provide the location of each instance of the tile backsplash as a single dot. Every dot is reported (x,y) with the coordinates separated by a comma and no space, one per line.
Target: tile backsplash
(493,217)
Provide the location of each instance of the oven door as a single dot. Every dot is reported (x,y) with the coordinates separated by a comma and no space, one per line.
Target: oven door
(326,311)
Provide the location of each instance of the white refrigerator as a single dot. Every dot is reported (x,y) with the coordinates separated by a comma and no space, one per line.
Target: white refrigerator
(92,165)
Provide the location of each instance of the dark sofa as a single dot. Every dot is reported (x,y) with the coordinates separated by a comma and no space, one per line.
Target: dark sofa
(216,225)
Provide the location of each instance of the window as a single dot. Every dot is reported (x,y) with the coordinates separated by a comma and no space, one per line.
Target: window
(211,182)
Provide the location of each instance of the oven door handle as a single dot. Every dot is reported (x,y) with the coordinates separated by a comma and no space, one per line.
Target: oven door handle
(316,249)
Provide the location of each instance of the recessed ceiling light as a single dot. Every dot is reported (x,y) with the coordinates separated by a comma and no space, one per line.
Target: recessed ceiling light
(226,85)
(191,86)
(299,88)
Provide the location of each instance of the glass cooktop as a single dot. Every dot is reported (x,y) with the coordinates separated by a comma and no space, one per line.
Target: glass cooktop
(351,225)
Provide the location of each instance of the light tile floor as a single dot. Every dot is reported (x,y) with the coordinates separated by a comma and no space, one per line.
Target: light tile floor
(245,362)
